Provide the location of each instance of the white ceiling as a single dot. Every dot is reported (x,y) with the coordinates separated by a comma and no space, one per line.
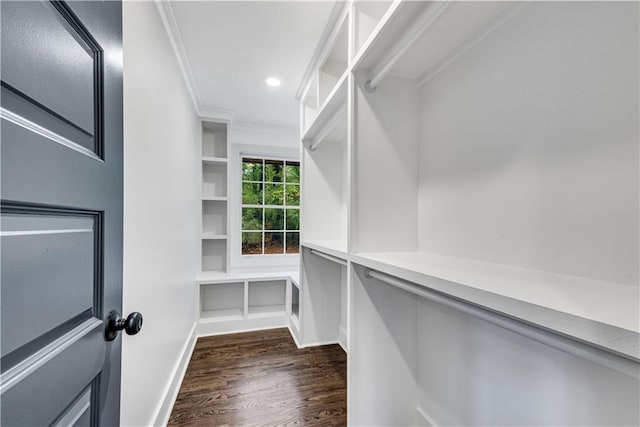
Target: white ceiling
(230,46)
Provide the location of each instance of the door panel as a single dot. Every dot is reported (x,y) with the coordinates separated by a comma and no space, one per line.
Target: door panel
(61,222)
(48,263)
(78,414)
(55,384)
(61,63)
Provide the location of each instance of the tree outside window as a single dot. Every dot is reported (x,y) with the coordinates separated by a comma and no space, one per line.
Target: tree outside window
(270,207)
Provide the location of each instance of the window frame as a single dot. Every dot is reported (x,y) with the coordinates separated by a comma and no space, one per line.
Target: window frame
(284,206)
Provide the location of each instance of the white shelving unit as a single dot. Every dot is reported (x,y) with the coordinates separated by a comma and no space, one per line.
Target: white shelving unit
(472,167)
(215,217)
(237,302)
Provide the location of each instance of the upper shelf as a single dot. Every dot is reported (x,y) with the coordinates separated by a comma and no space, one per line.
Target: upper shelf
(336,248)
(602,313)
(330,115)
(415,40)
(214,160)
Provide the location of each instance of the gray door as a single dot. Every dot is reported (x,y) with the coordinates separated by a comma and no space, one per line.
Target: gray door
(61,191)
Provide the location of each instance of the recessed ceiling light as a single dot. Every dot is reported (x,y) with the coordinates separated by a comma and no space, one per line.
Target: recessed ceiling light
(272,81)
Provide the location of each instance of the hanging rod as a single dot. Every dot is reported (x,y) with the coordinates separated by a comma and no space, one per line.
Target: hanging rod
(329,257)
(420,27)
(569,345)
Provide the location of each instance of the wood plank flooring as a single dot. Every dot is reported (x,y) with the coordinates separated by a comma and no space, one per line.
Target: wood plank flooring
(262,379)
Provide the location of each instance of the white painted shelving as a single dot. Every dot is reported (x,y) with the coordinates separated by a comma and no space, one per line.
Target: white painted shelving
(475,166)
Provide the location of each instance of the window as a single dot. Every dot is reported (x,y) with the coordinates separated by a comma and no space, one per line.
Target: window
(270,207)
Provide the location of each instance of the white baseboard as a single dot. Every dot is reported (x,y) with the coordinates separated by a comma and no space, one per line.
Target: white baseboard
(342,339)
(240,330)
(423,419)
(163,412)
(317,344)
(294,336)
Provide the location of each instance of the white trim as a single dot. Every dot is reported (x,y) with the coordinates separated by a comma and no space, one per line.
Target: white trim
(34,362)
(38,232)
(242,330)
(319,343)
(293,335)
(173,33)
(170,393)
(36,128)
(220,114)
(342,338)
(336,15)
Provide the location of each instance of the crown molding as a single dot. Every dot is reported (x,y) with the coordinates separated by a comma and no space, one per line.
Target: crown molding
(173,33)
(336,15)
(220,114)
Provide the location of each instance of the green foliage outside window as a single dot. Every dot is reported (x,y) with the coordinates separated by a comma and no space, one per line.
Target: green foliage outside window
(270,207)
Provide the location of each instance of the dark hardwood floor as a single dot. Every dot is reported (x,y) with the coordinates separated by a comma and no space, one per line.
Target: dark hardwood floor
(262,379)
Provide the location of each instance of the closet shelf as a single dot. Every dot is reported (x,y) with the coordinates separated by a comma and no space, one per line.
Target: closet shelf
(439,31)
(258,312)
(213,236)
(336,248)
(215,160)
(328,113)
(215,198)
(240,276)
(223,315)
(601,313)
(373,36)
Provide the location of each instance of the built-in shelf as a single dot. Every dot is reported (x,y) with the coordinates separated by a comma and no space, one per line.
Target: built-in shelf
(214,180)
(369,17)
(419,39)
(574,306)
(214,160)
(336,248)
(214,252)
(221,302)
(214,255)
(225,315)
(295,305)
(213,236)
(335,64)
(238,302)
(267,311)
(214,217)
(243,275)
(214,140)
(329,112)
(266,298)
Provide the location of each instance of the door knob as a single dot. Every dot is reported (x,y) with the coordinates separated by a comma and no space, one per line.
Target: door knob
(131,325)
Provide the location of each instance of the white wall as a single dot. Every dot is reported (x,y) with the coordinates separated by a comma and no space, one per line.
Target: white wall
(160,213)
(531,159)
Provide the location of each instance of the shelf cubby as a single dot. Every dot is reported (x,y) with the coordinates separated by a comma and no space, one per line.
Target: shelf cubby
(367,17)
(267,298)
(214,140)
(214,180)
(214,217)
(222,302)
(309,105)
(324,300)
(334,65)
(214,255)
(295,303)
